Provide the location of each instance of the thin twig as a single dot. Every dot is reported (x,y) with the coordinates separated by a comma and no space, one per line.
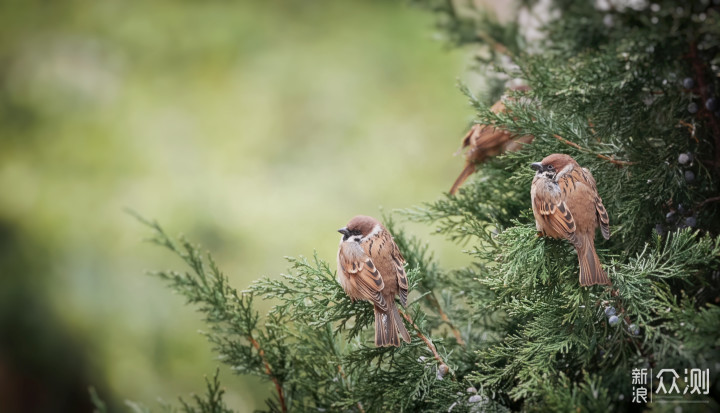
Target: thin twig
(691,129)
(497,46)
(707,201)
(494,44)
(607,158)
(274,379)
(424,338)
(434,302)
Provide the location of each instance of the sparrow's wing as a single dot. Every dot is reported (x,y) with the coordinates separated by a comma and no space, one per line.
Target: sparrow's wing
(554,210)
(602,217)
(491,139)
(363,274)
(599,207)
(556,216)
(485,136)
(399,262)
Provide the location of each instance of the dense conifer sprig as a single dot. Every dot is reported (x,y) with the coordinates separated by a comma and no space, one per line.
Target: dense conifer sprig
(612,87)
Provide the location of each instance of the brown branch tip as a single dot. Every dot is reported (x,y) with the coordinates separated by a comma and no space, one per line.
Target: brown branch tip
(274,379)
(444,317)
(442,367)
(605,157)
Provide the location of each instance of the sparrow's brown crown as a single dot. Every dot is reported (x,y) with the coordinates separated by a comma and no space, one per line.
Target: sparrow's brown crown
(558,161)
(553,163)
(360,226)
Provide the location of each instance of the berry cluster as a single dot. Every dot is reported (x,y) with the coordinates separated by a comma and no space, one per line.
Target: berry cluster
(477,402)
(614,320)
(686,161)
(679,217)
(711,103)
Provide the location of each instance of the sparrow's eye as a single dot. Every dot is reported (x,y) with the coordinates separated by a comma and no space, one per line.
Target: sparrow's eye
(550,167)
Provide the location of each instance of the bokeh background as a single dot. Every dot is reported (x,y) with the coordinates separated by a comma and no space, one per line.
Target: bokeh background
(254,128)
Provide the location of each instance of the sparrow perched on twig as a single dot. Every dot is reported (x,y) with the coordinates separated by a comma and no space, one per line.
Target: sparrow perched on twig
(370,267)
(485,141)
(566,204)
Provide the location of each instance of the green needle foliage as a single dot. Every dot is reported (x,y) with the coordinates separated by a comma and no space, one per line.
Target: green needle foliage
(625,91)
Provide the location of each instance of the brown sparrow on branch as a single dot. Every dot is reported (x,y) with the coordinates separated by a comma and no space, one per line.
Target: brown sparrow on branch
(485,141)
(370,267)
(566,205)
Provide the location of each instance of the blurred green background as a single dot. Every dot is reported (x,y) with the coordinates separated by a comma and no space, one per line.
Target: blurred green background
(255,128)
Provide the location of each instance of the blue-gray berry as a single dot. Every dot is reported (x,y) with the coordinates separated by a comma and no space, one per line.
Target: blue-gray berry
(442,371)
(692,107)
(613,320)
(689,176)
(691,222)
(683,158)
(681,209)
(609,311)
(688,83)
(670,216)
(711,104)
(634,329)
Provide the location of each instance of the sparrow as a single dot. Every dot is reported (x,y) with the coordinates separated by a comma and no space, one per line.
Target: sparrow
(485,141)
(566,204)
(371,268)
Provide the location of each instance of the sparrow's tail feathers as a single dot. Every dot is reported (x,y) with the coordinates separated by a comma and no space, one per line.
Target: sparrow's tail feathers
(399,325)
(591,271)
(469,169)
(387,326)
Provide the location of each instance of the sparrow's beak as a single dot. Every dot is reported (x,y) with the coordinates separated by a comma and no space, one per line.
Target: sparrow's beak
(343,231)
(537,166)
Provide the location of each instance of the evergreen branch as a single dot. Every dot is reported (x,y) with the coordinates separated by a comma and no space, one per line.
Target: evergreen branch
(416,255)
(698,66)
(432,299)
(268,370)
(496,45)
(212,401)
(601,156)
(347,383)
(226,310)
(442,367)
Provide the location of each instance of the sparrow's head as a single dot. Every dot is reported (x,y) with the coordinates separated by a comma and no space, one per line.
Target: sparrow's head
(553,164)
(360,228)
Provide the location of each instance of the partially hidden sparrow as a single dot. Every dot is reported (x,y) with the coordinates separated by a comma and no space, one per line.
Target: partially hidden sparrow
(485,141)
(371,268)
(566,205)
